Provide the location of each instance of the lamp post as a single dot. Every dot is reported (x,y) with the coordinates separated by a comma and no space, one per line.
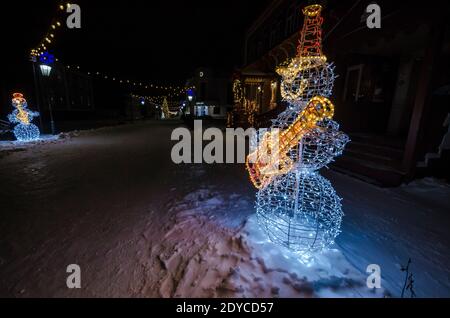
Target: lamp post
(190,99)
(46,71)
(36,88)
(191,104)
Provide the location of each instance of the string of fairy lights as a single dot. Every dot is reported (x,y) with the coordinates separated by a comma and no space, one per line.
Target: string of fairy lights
(56,27)
(170,91)
(158,100)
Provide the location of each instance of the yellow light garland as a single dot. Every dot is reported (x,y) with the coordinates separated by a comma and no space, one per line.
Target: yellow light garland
(271,159)
(49,37)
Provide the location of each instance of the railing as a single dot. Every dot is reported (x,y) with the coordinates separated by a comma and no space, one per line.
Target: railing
(4,127)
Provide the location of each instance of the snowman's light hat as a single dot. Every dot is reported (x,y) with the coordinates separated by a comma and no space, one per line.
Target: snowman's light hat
(309,50)
(310,46)
(18,97)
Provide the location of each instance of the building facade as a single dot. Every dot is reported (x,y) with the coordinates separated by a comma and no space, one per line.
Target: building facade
(65,94)
(211,96)
(65,89)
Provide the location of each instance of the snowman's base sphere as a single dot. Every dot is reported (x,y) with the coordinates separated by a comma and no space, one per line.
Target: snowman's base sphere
(300,211)
(26,133)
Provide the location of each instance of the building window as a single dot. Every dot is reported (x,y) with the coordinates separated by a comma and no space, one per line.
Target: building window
(352,85)
(216,110)
(201,110)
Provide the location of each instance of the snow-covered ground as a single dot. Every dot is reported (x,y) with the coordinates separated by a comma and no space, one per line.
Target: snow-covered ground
(138,225)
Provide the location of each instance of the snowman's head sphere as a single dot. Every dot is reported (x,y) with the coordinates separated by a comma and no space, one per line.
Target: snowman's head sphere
(303,80)
(18,100)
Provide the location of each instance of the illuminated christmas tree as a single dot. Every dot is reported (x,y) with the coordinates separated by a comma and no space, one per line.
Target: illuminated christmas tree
(165,109)
(22,116)
(297,207)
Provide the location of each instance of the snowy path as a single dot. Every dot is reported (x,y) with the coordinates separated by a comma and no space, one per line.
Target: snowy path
(112,202)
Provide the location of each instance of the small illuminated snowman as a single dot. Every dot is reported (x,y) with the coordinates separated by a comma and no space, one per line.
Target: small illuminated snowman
(22,116)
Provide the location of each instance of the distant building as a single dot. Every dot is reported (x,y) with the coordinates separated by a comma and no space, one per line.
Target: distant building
(66,92)
(211,96)
(66,89)
(390,95)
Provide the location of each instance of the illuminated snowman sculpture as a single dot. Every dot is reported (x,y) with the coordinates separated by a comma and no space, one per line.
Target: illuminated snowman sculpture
(22,116)
(296,207)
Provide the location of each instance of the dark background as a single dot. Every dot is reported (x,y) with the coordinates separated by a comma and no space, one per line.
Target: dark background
(157,41)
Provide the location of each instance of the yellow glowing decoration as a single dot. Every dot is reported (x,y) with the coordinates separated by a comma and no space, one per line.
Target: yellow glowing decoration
(302,84)
(22,115)
(295,206)
(312,10)
(288,93)
(273,92)
(251,109)
(271,159)
(309,55)
(237,91)
(165,109)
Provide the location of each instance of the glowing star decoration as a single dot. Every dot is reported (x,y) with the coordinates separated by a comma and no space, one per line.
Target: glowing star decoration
(296,207)
(22,116)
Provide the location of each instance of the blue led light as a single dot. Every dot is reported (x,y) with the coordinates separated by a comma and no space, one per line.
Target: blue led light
(47,58)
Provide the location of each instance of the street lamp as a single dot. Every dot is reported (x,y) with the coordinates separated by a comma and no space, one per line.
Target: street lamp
(36,87)
(46,71)
(190,96)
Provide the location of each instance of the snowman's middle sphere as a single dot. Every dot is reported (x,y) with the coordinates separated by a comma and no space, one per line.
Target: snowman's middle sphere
(318,147)
(300,211)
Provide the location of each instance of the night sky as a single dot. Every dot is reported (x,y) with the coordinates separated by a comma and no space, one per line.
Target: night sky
(157,41)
